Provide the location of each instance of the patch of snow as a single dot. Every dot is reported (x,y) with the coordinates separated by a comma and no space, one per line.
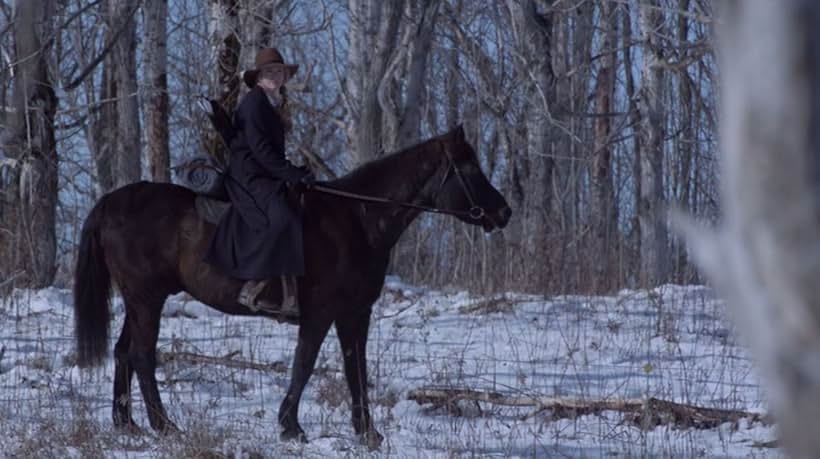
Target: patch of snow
(671,342)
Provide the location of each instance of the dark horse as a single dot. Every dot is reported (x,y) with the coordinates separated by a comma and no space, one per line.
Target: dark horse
(149,239)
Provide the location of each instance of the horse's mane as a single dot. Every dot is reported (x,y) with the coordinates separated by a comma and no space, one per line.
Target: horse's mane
(381,174)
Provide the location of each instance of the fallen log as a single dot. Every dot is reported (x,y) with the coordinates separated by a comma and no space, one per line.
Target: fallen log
(646,413)
(228,360)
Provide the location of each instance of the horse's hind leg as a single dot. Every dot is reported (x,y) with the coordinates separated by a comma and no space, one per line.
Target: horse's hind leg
(142,356)
(123,372)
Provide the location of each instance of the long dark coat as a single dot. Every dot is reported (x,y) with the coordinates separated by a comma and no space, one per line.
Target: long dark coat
(261,235)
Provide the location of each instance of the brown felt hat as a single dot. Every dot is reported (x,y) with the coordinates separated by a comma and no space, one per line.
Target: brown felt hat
(268,57)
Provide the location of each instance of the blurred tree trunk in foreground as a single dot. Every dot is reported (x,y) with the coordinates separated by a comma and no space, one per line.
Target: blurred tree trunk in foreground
(765,256)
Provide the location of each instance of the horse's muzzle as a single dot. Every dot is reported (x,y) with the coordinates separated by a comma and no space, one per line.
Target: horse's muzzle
(497,219)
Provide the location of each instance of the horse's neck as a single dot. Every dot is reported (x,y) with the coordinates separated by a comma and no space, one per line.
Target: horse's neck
(408,177)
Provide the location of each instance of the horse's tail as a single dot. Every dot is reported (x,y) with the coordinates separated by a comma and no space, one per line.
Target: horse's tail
(92,290)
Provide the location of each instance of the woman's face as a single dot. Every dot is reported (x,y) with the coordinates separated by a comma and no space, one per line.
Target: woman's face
(271,78)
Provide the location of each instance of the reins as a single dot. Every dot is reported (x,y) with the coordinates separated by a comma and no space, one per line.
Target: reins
(476,212)
(367,198)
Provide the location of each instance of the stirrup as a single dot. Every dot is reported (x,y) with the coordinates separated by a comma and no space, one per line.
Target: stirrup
(249,293)
(290,307)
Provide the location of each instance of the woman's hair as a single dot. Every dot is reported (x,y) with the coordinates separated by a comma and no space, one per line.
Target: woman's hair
(284,109)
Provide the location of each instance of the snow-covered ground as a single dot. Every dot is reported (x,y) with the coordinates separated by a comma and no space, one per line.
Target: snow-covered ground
(671,343)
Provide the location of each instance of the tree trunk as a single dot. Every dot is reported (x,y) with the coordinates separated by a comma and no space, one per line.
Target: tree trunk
(116,131)
(654,264)
(634,236)
(156,104)
(561,143)
(685,143)
(28,192)
(104,122)
(764,255)
(415,78)
(257,27)
(452,110)
(533,38)
(372,40)
(603,209)
(127,168)
(127,165)
(226,48)
(582,32)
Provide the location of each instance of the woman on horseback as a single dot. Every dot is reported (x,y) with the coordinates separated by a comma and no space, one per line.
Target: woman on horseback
(260,237)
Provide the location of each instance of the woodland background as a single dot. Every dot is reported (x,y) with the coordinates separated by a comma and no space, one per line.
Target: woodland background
(593,117)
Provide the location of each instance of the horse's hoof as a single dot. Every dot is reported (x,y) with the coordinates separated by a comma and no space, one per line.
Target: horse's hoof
(372,439)
(294,435)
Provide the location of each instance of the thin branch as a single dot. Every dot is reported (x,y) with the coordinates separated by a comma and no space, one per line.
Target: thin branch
(12,277)
(317,161)
(108,47)
(702,18)
(78,13)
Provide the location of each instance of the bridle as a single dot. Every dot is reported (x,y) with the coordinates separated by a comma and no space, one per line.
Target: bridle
(476,212)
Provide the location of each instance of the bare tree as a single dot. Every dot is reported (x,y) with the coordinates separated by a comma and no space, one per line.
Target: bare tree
(653,241)
(115,128)
(633,238)
(101,130)
(128,152)
(226,49)
(684,143)
(533,37)
(603,209)
(764,255)
(28,189)
(403,114)
(156,100)
(372,38)
(257,25)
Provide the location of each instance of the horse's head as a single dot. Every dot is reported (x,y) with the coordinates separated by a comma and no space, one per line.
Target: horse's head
(466,188)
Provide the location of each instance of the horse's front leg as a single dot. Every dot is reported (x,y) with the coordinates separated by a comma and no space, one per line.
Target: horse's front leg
(311,336)
(352,333)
